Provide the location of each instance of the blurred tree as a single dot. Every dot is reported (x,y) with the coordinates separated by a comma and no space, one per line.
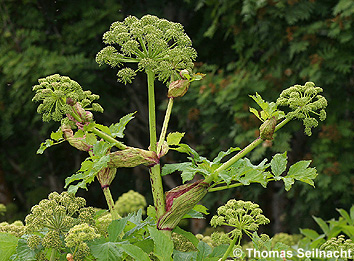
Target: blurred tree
(245,46)
(271,45)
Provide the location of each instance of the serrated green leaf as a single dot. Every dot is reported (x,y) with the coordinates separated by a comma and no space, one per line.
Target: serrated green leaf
(188,174)
(103,128)
(201,209)
(91,138)
(226,176)
(8,245)
(204,250)
(58,135)
(115,229)
(105,251)
(219,251)
(45,145)
(86,165)
(301,172)
(147,245)
(184,148)
(278,163)
(101,148)
(151,212)
(163,244)
(135,252)
(193,214)
(174,138)
(222,154)
(23,252)
(117,130)
(170,168)
(74,177)
(255,112)
(288,182)
(185,256)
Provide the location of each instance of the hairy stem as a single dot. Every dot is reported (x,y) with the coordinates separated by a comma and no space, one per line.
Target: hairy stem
(155,171)
(157,190)
(164,126)
(110,203)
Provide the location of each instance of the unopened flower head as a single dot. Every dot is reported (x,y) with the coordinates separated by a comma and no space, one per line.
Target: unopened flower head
(156,45)
(337,244)
(58,93)
(129,202)
(244,216)
(59,213)
(305,103)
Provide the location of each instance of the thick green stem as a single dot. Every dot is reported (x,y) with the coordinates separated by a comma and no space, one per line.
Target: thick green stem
(152,117)
(155,171)
(229,249)
(165,125)
(53,254)
(157,190)
(241,154)
(108,138)
(110,203)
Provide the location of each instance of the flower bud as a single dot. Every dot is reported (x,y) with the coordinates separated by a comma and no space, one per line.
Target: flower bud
(267,129)
(178,88)
(184,74)
(105,176)
(78,143)
(132,157)
(179,201)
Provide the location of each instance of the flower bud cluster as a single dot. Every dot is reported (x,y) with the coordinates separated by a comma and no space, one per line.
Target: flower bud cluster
(16,228)
(76,237)
(286,239)
(244,216)
(54,217)
(304,101)
(130,202)
(338,244)
(181,243)
(58,94)
(157,45)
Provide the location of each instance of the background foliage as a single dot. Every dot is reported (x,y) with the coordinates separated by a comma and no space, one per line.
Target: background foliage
(244,46)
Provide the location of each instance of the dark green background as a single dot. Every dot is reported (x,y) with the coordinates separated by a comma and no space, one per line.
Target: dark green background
(244,47)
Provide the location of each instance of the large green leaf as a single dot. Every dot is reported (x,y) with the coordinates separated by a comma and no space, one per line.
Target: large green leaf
(174,138)
(135,252)
(115,229)
(117,130)
(163,244)
(278,164)
(204,250)
(105,251)
(8,244)
(23,252)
